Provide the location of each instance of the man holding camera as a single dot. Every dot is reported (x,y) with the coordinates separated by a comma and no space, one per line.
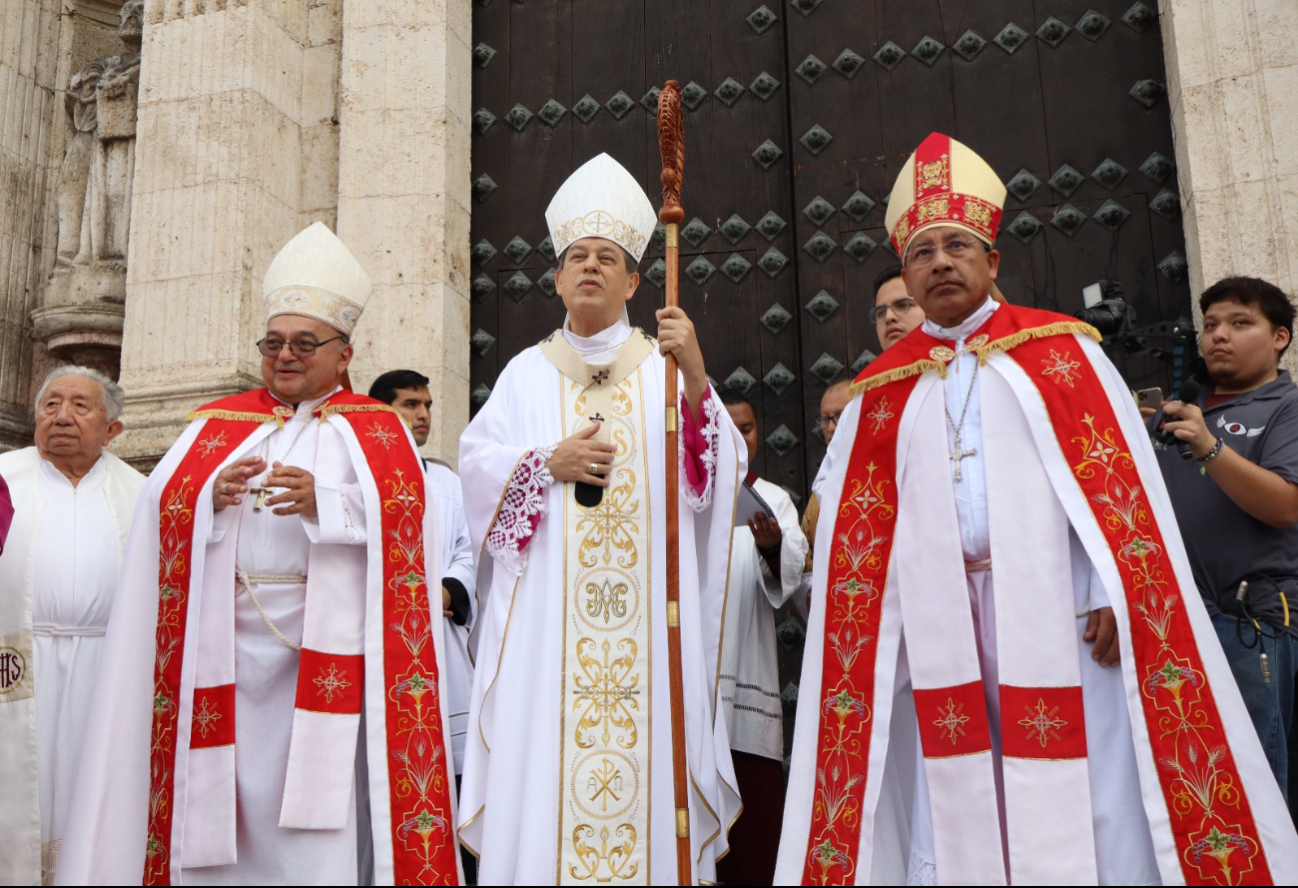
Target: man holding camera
(1233,481)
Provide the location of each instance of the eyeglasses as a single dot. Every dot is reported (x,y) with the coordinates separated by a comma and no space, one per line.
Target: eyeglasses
(925,253)
(827,419)
(900,308)
(271,346)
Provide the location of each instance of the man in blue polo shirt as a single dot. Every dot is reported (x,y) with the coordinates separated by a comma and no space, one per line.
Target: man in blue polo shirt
(1235,493)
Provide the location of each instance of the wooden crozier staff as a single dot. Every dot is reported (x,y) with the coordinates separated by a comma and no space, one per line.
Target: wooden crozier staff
(671,141)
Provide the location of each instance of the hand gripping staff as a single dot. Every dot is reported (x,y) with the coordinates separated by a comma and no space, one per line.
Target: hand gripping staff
(671,141)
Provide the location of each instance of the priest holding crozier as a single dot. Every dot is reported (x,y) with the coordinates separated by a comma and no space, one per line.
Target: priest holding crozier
(568,770)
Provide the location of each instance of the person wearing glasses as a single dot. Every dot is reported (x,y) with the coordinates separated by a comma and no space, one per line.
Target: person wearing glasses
(1008,674)
(894,315)
(274,597)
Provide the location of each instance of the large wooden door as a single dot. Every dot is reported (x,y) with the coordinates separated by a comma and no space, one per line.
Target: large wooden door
(799,117)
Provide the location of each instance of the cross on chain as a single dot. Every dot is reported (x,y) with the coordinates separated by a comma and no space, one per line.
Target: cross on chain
(958,455)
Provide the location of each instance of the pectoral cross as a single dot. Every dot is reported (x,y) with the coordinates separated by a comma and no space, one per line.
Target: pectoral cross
(958,455)
(263,492)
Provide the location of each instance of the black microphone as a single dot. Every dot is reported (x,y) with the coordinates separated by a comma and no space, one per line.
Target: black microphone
(1188,394)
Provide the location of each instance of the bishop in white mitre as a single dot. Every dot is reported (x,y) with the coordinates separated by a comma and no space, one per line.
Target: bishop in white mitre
(270,709)
(58,577)
(1008,676)
(568,769)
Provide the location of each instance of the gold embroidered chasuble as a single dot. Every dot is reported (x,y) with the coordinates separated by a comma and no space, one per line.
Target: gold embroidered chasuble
(607,635)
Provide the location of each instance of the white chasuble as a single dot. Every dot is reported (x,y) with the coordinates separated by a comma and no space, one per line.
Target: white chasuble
(58,576)
(568,761)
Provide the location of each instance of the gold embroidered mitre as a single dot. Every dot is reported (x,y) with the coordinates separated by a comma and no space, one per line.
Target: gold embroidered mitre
(316,276)
(601,199)
(944,183)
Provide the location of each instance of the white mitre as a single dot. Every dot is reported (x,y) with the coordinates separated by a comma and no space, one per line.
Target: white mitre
(601,199)
(316,276)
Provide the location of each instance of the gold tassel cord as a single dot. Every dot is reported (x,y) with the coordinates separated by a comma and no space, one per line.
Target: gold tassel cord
(332,409)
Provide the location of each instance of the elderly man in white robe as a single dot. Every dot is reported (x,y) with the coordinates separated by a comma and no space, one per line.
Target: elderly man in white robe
(271,708)
(58,577)
(568,770)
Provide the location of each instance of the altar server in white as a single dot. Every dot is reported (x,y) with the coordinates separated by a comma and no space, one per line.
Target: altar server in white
(274,591)
(568,771)
(767,556)
(58,576)
(1009,677)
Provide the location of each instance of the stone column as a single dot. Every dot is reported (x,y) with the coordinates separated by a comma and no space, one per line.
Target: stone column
(1232,69)
(404,196)
(29,107)
(231,161)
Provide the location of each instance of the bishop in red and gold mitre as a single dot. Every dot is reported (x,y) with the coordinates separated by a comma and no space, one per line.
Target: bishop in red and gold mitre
(995,502)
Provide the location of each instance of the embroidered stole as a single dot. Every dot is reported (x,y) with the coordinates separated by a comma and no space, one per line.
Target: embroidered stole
(1042,738)
(331,681)
(605,785)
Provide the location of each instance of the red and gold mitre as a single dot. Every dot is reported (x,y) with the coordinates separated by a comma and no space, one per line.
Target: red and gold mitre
(944,183)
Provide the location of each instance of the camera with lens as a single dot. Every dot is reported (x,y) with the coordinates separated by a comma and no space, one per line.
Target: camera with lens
(1109,314)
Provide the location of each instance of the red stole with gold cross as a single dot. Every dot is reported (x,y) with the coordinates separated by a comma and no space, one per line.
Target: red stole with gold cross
(1040,387)
(397,689)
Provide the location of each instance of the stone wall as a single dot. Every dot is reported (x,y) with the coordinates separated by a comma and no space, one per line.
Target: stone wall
(404,195)
(236,152)
(1232,69)
(30,100)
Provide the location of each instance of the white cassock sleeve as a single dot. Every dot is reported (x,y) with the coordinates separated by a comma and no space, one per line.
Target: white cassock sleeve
(340,505)
(793,556)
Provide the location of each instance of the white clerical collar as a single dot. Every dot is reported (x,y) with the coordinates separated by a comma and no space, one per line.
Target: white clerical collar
(307,406)
(961,332)
(595,348)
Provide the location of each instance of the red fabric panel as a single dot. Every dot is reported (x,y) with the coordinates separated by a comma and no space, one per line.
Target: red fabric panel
(858,573)
(1213,830)
(330,682)
(953,721)
(213,722)
(1042,723)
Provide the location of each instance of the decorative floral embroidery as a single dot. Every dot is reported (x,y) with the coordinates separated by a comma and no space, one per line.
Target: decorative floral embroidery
(520,509)
(880,415)
(1061,368)
(382,436)
(331,683)
(951,720)
(212,444)
(711,431)
(205,717)
(1043,726)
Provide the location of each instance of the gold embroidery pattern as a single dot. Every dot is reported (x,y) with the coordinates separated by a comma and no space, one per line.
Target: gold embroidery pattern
(880,415)
(977,214)
(383,437)
(932,210)
(603,824)
(331,683)
(1210,817)
(934,174)
(205,717)
(951,720)
(212,444)
(1042,725)
(1061,368)
(419,779)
